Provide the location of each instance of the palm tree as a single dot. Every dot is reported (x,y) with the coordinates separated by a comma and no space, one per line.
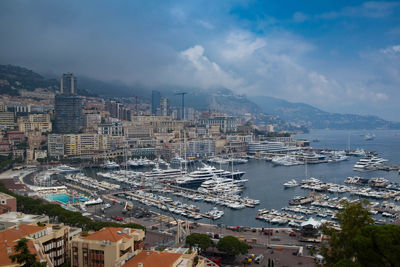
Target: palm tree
(23,256)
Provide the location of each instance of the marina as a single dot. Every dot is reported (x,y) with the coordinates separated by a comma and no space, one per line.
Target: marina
(289,195)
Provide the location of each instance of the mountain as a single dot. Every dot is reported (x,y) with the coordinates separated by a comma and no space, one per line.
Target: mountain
(14,78)
(313,117)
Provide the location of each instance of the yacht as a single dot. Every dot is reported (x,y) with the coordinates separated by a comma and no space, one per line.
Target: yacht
(64,168)
(110,165)
(358,153)
(337,156)
(291,183)
(368,163)
(217,182)
(286,160)
(215,214)
(132,163)
(168,173)
(237,161)
(218,160)
(369,137)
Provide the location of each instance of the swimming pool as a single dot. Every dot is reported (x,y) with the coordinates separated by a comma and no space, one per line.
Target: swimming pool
(65,198)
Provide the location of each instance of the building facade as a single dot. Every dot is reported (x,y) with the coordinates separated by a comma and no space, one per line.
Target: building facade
(109,247)
(164,106)
(55,145)
(68,84)
(35,122)
(68,114)
(155,101)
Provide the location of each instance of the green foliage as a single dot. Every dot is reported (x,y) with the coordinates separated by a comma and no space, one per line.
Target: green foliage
(71,218)
(359,242)
(23,256)
(232,246)
(378,246)
(7,161)
(202,241)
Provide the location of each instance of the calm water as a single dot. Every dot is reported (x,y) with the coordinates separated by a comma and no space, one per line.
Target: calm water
(266,181)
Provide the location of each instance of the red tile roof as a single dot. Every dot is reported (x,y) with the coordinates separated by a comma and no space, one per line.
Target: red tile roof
(153,259)
(10,237)
(112,234)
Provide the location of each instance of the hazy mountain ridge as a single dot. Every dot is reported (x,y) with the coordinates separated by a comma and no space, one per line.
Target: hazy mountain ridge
(313,117)
(263,109)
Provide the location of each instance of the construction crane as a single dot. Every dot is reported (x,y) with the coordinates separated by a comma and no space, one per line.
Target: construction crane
(183,104)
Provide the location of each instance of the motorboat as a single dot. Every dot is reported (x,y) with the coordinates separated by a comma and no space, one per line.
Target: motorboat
(64,168)
(291,183)
(215,214)
(110,164)
(369,137)
(286,160)
(368,163)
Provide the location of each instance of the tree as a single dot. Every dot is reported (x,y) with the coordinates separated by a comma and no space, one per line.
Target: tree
(352,219)
(232,246)
(378,246)
(202,241)
(23,256)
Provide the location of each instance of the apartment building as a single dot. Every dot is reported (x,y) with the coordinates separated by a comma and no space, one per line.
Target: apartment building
(109,247)
(35,122)
(50,243)
(7,120)
(84,144)
(55,145)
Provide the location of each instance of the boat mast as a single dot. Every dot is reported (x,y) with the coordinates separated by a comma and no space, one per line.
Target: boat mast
(348,141)
(184,148)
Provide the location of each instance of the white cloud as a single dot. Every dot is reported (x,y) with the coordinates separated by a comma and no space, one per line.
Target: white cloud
(391,50)
(196,70)
(241,45)
(371,9)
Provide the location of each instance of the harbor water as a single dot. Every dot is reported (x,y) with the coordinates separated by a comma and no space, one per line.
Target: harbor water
(265,181)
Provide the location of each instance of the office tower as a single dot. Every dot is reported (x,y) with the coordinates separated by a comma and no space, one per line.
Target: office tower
(164,106)
(155,101)
(68,84)
(68,107)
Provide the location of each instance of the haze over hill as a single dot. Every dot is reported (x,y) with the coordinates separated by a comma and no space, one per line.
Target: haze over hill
(263,108)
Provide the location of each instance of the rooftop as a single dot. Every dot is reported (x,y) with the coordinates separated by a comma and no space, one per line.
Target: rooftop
(18,217)
(154,259)
(112,234)
(9,239)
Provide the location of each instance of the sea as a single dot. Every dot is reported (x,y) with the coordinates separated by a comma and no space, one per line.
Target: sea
(265,181)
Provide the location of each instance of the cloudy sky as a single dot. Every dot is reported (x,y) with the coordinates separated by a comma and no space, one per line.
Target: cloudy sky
(341,56)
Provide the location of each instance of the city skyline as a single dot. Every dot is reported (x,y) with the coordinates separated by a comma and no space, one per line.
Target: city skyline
(337,56)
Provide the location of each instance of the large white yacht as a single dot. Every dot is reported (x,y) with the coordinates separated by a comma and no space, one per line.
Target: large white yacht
(168,173)
(368,163)
(286,160)
(110,164)
(291,183)
(64,168)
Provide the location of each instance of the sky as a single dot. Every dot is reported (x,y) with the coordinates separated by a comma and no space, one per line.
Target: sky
(340,56)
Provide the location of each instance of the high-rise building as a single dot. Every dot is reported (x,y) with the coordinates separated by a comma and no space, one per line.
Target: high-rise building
(68,107)
(68,84)
(164,106)
(155,101)
(68,114)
